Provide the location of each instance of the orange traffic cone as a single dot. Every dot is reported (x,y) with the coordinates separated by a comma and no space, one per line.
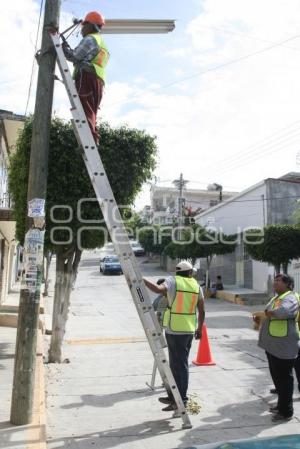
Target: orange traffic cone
(204,355)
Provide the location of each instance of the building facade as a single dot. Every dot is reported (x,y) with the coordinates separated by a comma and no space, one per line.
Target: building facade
(10,126)
(165,202)
(272,201)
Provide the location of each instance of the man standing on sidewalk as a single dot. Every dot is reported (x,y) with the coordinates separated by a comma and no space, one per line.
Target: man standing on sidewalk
(185,297)
(279,337)
(90,58)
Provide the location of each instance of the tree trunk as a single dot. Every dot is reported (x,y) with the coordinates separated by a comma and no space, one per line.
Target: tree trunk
(48,258)
(208,262)
(285,267)
(66,269)
(277,269)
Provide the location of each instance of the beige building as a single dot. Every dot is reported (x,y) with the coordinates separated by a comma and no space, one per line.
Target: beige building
(165,202)
(10,126)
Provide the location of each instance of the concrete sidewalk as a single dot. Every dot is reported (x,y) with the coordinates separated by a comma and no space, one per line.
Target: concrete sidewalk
(33,435)
(101,399)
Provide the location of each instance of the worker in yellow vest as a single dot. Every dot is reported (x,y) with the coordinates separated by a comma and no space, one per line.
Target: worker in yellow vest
(90,58)
(181,323)
(297,361)
(279,337)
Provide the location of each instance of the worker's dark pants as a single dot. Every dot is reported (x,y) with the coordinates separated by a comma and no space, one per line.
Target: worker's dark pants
(179,348)
(90,91)
(281,371)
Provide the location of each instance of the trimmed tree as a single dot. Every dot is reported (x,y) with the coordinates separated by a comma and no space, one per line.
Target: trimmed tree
(132,222)
(128,156)
(278,246)
(199,243)
(155,238)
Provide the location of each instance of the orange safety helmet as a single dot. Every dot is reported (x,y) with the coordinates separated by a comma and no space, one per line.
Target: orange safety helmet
(95,18)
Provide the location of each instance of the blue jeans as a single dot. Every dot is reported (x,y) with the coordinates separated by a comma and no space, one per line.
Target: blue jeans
(179,348)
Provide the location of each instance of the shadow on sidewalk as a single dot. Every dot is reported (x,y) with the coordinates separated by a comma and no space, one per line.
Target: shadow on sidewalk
(10,435)
(233,421)
(108,400)
(4,355)
(111,438)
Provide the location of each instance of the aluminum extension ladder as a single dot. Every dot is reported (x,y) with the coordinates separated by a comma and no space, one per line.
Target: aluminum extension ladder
(118,234)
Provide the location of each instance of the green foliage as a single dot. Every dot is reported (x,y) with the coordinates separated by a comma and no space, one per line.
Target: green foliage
(18,178)
(296,215)
(201,243)
(128,156)
(155,238)
(133,222)
(279,245)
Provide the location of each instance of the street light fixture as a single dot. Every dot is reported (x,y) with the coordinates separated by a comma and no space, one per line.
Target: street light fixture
(137,26)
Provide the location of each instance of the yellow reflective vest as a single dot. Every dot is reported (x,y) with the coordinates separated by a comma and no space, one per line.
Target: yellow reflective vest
(279,328)
(181,315)
(101,59)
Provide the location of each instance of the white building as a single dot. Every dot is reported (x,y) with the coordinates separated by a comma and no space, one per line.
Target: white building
(272,201)
(165,202)
(145,214)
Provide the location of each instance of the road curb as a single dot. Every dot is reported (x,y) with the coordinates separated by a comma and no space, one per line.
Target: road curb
(36,434)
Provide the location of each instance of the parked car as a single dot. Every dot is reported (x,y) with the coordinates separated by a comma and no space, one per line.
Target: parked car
(110,265)
(109,248)
(137,249)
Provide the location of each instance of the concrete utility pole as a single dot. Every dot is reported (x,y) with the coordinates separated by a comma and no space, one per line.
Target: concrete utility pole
(180,183)
(24,371)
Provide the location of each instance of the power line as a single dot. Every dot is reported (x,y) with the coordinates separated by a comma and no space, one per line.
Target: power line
(258,149)
(250,200)
(268,152)
(234,61)
(261,148)
(212,69)
(249,149)
(246,36)
(35,50)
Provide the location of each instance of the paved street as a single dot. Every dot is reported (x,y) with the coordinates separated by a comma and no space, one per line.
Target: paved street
(100,398)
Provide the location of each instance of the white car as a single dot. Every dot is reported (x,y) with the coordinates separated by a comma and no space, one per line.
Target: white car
(137,249)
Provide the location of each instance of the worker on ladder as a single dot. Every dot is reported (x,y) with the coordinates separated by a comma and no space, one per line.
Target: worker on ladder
(90,58)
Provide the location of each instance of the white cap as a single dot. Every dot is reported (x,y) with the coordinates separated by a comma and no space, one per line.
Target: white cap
(184,265)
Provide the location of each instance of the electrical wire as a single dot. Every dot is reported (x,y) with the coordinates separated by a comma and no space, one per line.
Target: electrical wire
(249,149)
(73,31)
(234,61)
(258,154)
(246,36)
(204,72)
(266,146)
(256,151)
(261,148)
(34,60)
(270,152)
(296,197)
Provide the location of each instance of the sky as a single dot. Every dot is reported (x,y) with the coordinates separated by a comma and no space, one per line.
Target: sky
(221,92)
